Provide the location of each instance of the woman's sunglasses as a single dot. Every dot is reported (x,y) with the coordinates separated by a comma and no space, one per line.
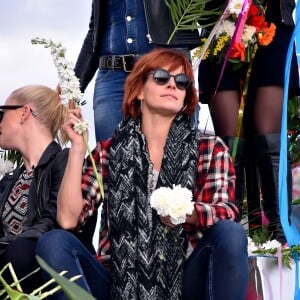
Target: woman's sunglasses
(162,77)
(11,107)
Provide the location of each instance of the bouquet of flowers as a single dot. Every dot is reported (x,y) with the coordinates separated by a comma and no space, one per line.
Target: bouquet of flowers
(240,30)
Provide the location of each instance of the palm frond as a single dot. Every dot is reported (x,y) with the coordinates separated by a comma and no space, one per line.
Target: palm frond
(188,14)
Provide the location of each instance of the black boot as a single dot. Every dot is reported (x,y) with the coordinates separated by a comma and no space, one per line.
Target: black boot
(268,148)
(239,166)
(253,191)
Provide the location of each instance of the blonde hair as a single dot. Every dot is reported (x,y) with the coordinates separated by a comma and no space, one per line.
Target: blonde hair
(48,108)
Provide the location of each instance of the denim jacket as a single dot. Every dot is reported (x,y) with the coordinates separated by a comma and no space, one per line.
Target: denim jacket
(159,25)
(42,195)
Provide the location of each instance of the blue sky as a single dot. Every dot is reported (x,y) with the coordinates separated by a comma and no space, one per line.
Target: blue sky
(22,63)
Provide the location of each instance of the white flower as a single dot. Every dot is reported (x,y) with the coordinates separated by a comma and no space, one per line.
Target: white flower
(68,82)
(176,203)
(270,245)
(251,246)
(235,6)
(227,27)
(248,34)
(159,200)
(81,126)
(5,166)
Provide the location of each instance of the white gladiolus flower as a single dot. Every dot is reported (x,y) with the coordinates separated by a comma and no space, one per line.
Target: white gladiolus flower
(176,203)
(81,126)
(68,82)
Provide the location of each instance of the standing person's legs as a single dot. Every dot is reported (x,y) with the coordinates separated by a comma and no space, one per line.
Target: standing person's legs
(224,109)
(108,98)
(267,120)
(67,253)
(218,267)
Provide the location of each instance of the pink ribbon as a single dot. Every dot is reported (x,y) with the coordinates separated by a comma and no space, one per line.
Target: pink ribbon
(279,259)
(237,35)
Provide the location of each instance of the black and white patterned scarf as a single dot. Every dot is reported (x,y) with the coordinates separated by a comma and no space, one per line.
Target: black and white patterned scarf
(146,258)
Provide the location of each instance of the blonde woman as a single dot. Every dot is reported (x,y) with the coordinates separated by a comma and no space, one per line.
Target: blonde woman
(30,120)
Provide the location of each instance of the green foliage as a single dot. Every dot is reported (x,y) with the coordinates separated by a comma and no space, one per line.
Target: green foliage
(14,290)
(259,234)
(72,290)
(187,14)
(12,155)
(287,254)
(293,119)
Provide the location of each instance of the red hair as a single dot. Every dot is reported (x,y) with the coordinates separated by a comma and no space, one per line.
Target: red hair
(157,58)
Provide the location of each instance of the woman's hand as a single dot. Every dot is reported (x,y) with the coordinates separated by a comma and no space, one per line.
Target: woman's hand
(74,116)
(193,219)
(167,221)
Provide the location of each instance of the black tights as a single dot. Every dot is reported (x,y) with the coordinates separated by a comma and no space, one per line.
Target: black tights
(262,112)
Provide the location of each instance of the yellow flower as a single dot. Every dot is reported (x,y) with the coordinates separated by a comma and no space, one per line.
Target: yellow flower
(221,42)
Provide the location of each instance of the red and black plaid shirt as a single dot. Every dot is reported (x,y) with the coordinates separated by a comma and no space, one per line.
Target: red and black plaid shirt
(213,193)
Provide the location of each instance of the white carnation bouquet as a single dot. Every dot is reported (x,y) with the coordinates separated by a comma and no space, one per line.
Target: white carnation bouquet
(176,202)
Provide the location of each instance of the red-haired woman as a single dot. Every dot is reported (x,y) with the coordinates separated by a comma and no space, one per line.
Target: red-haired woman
(146,255)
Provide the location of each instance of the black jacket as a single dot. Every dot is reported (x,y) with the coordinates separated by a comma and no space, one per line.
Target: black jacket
(159,26)
(286,9)
(43,191)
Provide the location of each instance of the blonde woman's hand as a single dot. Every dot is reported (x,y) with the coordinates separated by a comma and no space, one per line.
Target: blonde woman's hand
(75,116)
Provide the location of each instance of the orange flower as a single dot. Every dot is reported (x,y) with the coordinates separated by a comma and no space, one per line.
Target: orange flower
(237,51)
(265,35)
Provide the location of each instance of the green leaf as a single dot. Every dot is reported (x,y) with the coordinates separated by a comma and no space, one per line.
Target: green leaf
(72,290)
(187,14)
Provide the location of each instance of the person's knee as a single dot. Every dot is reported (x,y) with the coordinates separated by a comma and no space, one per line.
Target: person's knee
(52,243)
(232,236)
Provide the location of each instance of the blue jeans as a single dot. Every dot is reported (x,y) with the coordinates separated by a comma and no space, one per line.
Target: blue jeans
(217,269)
(108,98)
(63,251)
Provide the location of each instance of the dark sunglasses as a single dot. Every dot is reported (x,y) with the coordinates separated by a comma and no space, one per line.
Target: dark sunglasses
(162,77)
(11,107)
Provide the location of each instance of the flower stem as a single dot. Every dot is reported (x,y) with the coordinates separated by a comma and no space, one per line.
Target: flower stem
(98,177)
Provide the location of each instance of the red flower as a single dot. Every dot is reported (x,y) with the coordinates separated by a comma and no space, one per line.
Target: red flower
(255,18)
(237,51)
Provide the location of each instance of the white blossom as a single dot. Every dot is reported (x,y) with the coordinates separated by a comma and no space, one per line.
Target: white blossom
(270,245)
(5,166)
(81,126)
(235,6)
(68,82)
(248,34)
(176,203)
(227,27)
